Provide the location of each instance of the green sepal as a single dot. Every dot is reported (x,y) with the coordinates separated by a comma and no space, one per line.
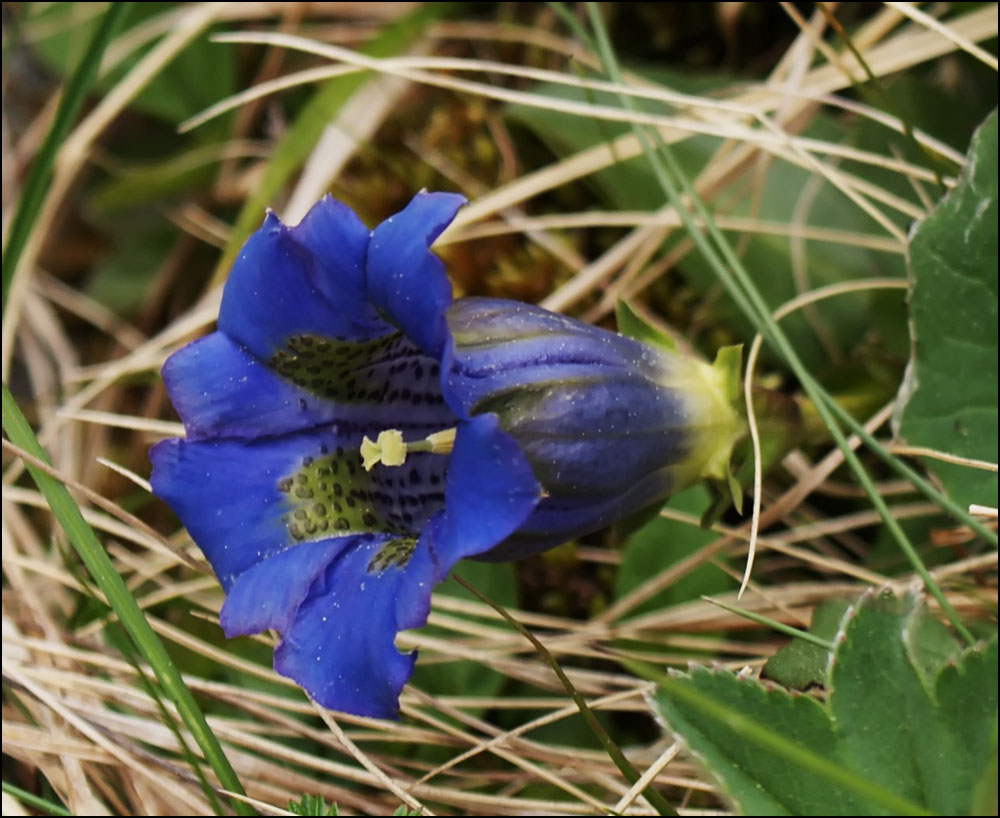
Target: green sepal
(729,363)
(634,326)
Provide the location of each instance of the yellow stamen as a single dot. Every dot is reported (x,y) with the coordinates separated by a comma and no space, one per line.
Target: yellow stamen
(389,449)
(442,442)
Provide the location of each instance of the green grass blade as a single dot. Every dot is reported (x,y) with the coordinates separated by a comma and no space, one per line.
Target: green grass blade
(41,169)
(32,800)
(124,647)
(83,539)
(774,624)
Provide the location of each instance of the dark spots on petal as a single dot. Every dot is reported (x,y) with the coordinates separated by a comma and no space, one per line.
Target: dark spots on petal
(393,554)
(414,477)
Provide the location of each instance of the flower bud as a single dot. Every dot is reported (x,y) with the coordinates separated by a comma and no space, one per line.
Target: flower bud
(609,425)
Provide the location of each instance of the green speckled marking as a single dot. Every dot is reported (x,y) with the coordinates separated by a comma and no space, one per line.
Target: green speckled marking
(394,554)
(330,496)
(337,369)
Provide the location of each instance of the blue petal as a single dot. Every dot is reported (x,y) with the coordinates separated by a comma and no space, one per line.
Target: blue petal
(220,390)
(490,491)
(338,242)
(340,645)
(268,594)
(225,492)
(406,281)
(278,288)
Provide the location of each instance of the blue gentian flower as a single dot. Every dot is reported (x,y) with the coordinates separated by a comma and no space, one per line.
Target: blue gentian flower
(352,432)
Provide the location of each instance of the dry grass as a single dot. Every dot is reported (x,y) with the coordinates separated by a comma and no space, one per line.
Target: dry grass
(74,708)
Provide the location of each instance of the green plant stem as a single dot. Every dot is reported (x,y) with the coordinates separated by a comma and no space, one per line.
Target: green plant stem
(658,802)
(35,801)
(41,169)
(774,624)
(83,539)
(741,288)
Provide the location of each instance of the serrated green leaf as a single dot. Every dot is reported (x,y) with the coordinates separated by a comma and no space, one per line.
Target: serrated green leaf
(948,400)
(312,805)
(889,730)
(929,644)
(885,742)
(967,699)
(799,663)
(984,793)
(759,780)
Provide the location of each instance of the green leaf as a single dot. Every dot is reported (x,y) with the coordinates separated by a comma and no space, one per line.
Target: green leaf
(760,782)
(312,805)
(899,732)
(967,698)
(929,644)
(984,794)
(889,730)
(635,326)
(799,663)
(948,400)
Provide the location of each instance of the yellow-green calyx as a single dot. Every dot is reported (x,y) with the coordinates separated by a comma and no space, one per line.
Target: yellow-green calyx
(712,392)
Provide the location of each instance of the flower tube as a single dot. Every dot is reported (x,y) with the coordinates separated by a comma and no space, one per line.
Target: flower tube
(352,432)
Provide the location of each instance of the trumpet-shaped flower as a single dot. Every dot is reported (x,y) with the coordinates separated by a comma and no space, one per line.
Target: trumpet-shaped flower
(352,432)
